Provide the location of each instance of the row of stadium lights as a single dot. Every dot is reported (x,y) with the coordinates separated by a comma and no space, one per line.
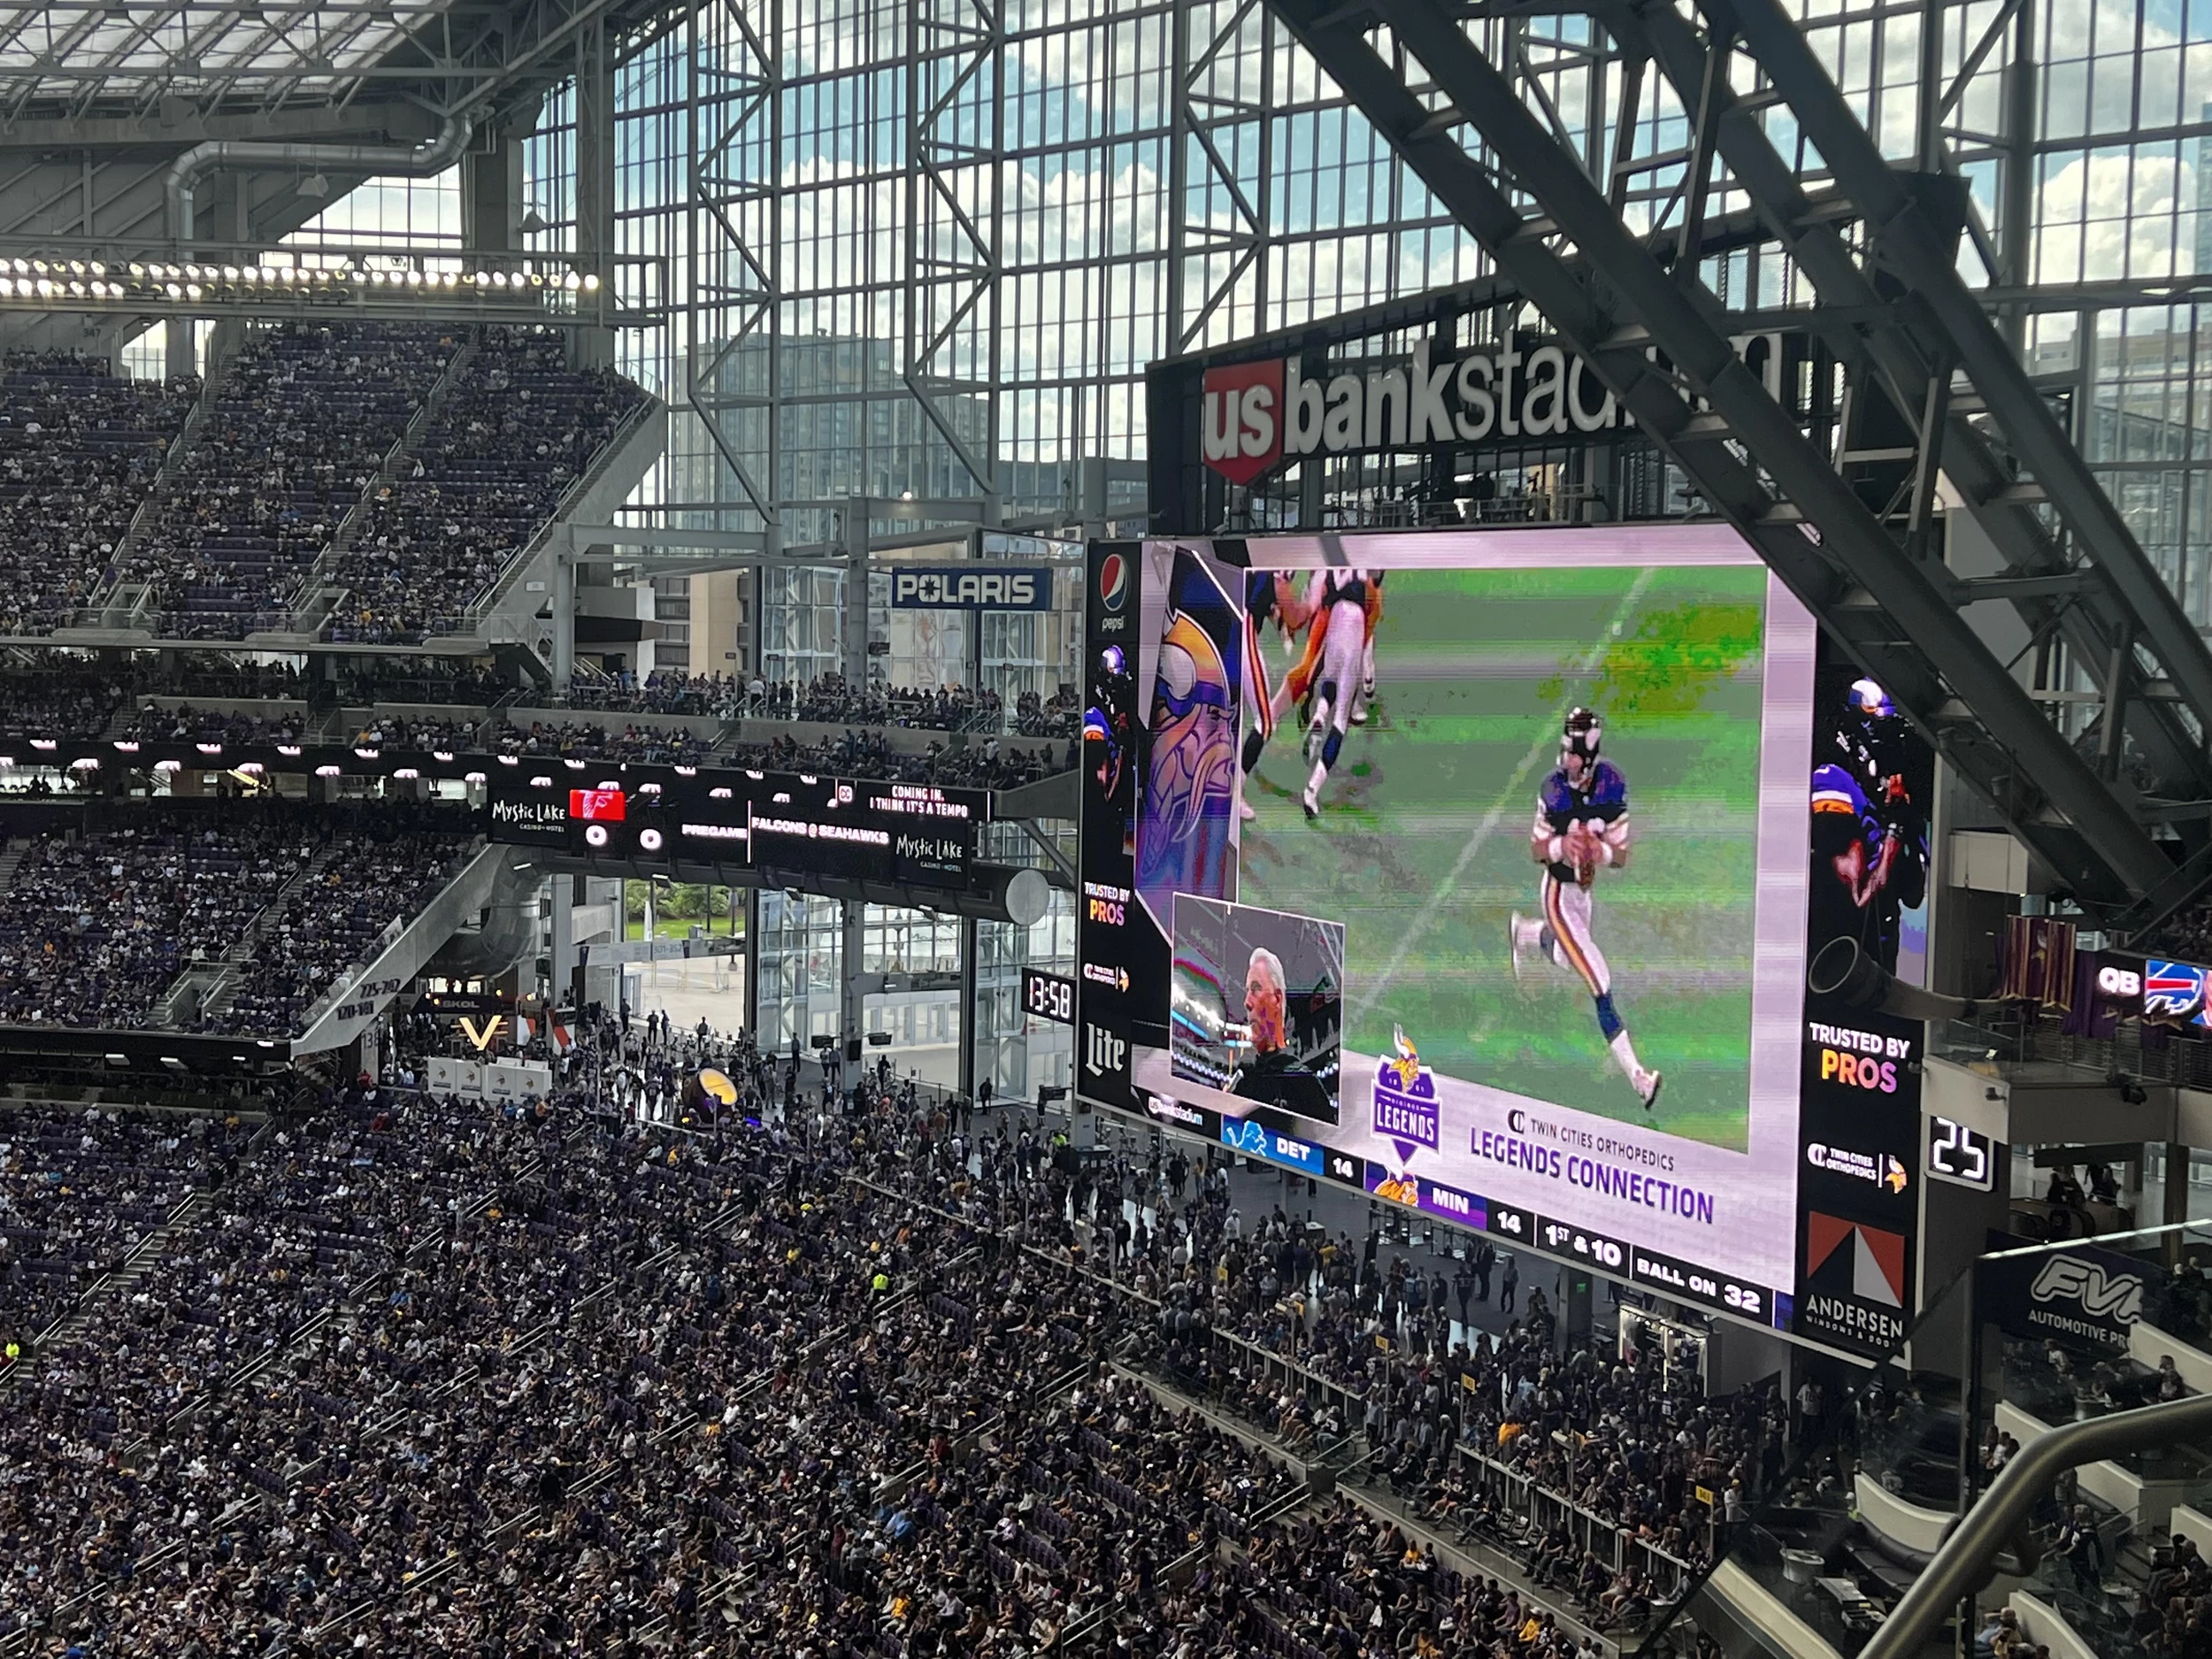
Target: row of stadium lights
(47,280)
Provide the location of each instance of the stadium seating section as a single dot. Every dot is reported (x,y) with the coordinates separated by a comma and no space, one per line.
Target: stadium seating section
(96,928)
(78,450)
(518,429)
(300,422)
(410,1375)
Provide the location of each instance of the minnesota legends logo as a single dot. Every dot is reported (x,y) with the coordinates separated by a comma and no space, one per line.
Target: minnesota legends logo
(1405,1098)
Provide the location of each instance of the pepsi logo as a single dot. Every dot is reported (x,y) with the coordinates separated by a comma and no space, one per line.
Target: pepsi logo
(1113,581)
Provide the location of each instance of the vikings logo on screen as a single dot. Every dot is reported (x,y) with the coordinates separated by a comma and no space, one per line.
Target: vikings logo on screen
(1189,798)
(1406,1113)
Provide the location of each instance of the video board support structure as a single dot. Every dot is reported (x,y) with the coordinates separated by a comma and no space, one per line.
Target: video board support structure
(2106,600)
(1716,419)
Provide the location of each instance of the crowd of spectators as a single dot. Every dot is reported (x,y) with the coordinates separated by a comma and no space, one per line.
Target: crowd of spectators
(185,724)
(224,678)
(828,699)
(585,740)
(663,691)
(58,702)
(589,1389)
(878,1376)
(406,732)
(988,764)
(832,700)
(65,693)
(1060,714)
(518,428)
(80,448)
(421,680)
(370,882)
(79,1191)
(307,415)
(97,926)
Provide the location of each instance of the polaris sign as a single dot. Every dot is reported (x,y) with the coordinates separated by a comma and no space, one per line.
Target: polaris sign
(1257,415)
(971,588)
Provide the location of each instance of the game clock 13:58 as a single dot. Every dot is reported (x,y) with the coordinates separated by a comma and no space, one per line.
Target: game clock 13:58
(1048,996)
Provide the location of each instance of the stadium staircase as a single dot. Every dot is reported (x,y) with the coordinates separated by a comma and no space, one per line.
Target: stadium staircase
(10,858)
(505,612)
(110,1285)
(132,607)
(187,435)
(209,988)
(264,1487)
(359,996)
(319,594)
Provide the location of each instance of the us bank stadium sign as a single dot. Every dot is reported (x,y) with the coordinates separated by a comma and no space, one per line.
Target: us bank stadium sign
(1534,392)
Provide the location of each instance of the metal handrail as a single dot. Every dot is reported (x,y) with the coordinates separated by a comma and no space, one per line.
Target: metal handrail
(1971,1546)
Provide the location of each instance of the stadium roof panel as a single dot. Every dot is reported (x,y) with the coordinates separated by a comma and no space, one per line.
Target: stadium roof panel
(87,54)
(67,58)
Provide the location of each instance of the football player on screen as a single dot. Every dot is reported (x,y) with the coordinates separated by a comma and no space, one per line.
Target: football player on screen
(1338,677)
(1581,827)
(1267,594)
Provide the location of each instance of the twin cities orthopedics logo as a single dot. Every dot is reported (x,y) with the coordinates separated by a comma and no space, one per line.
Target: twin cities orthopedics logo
(1255,415)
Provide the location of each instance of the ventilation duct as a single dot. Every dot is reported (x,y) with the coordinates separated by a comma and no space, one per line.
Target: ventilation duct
(433,156)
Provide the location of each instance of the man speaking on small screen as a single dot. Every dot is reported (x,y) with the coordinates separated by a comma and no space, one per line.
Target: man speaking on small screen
(1272,1075)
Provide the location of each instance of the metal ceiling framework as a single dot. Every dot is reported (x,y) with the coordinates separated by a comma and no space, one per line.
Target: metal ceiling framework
(80,59)
(1937,397)
(273,109)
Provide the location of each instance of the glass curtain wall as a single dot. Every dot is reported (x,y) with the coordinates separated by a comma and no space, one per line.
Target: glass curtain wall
(873,247)
(800,954)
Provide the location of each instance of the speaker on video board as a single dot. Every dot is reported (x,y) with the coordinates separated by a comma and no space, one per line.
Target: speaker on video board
(852,1051)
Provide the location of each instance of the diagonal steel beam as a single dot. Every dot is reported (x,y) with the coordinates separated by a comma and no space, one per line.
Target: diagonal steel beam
(1917,252)
(1817,535)
(1907,352)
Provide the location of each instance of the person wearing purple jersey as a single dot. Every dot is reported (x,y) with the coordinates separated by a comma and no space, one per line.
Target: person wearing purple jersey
(1581,826)
(1870,834)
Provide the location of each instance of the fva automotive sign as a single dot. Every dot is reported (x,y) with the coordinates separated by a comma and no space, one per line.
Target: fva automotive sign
(2081,1295)
(1257,415)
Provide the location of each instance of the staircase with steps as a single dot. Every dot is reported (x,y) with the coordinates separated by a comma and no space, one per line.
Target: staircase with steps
(127,1272)
(131,605)
(319,594)
(208,988)
(188,436)
(11,857)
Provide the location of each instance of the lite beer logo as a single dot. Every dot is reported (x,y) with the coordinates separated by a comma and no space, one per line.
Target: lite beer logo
(1258,414)
(1105,1054)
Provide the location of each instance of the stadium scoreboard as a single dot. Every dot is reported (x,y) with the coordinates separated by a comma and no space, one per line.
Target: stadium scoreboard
(1479,871)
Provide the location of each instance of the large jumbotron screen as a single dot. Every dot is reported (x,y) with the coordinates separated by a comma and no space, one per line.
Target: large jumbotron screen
(1549,789)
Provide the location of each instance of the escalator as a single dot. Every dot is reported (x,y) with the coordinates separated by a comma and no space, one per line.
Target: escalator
(2011,1465)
